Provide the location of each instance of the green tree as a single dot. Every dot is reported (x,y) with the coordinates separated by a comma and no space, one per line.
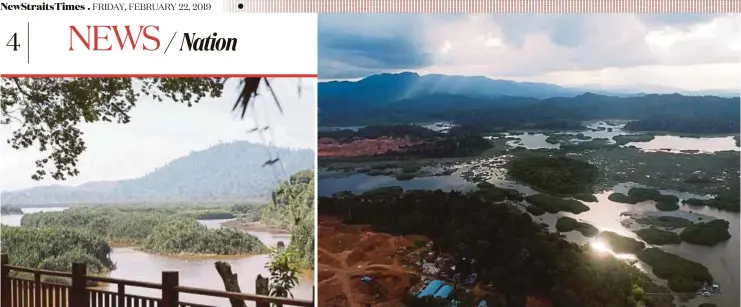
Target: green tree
(46,112)
(283,272)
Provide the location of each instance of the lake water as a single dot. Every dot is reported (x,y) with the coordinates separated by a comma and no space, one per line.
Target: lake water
(670,143)
(194,271)
(722,260)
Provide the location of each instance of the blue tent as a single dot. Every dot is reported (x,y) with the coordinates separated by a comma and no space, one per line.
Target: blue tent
(366,279)
(482,303)
(444,292)
(431,288)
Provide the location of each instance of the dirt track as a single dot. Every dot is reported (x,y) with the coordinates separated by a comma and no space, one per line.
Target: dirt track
(347,253)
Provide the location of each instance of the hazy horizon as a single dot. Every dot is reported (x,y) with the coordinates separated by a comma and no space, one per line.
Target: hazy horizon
(127,151)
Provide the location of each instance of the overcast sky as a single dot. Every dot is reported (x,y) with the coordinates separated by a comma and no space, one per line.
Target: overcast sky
(684,51)
(160,132)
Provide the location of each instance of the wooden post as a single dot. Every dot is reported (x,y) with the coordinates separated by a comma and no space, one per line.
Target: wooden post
(262,287)
(37,289)
(79,295)
(121,302)
(169,292)
(4,281)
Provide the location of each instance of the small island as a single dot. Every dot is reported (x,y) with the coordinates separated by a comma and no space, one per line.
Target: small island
(621,244)
(658,236)
(553,204)
(709,233)
(556,175)
(491,192)
(632,138)
(566,224)
(664,202)
(684,276)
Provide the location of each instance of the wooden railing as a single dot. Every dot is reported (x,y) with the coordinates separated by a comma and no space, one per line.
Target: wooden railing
(21,292)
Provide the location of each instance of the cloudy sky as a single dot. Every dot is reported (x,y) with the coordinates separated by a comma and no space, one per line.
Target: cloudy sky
(160,132)
(684,51)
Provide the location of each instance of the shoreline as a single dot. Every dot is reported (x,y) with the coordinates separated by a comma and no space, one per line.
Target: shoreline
(255,226)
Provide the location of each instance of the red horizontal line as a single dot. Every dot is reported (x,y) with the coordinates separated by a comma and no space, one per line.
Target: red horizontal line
(158,75)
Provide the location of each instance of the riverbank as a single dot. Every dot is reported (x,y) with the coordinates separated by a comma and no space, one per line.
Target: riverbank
(254,226)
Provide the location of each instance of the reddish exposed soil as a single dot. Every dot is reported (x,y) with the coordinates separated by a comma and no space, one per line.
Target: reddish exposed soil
(347,253)
(363,147)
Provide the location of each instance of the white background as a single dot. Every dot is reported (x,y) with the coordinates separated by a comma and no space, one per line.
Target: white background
(268,43)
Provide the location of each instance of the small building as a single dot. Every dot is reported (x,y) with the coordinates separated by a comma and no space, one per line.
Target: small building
(431,288)
(444,292)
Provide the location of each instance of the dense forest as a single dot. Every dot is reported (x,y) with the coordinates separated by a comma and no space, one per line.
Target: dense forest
(554,174)
(512,251)
(293,209)
(153,230)
(55,248)
(392,99)
(225,172)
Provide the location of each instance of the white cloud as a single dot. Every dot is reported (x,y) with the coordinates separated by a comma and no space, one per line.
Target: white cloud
(678,50)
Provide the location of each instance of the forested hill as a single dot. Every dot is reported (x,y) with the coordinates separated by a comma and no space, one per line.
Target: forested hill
(387,89)
(229,171)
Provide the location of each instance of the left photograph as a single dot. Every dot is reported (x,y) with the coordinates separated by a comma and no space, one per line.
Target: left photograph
(157,191)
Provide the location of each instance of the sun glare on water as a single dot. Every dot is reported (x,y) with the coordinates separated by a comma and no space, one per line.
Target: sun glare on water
(600,247)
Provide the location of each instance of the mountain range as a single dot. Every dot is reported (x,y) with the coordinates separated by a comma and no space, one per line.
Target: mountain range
(225,172)
(388,87)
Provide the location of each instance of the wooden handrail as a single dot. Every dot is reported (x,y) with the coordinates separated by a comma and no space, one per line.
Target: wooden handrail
(77,292)
(247,297)
(42,272)
(133,283)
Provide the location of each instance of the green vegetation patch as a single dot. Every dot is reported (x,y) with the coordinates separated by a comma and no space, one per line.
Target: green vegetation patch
(294,211)
(709,233)
(553,204)
(491,192)
(635,195)
(55,249)
(556,175)
(517,253)
(664,221)
(535,210)
(657,236)
(190,237)
(621,198)
(630,138)
(728,201)
(685,276)
(566,224)
(621,244)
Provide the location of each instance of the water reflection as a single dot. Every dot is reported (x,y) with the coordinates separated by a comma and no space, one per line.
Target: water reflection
(721,260)
(193,271)
(677,143)
(267,238)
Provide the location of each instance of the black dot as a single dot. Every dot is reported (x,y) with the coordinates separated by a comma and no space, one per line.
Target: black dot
(240,6)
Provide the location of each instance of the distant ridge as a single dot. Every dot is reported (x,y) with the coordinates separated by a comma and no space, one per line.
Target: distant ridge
(389,87)
(224,172)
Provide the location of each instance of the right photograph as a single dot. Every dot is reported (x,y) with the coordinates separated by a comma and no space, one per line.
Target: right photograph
(558,160)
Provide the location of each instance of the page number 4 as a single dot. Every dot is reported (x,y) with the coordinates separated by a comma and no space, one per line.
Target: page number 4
(13,42)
